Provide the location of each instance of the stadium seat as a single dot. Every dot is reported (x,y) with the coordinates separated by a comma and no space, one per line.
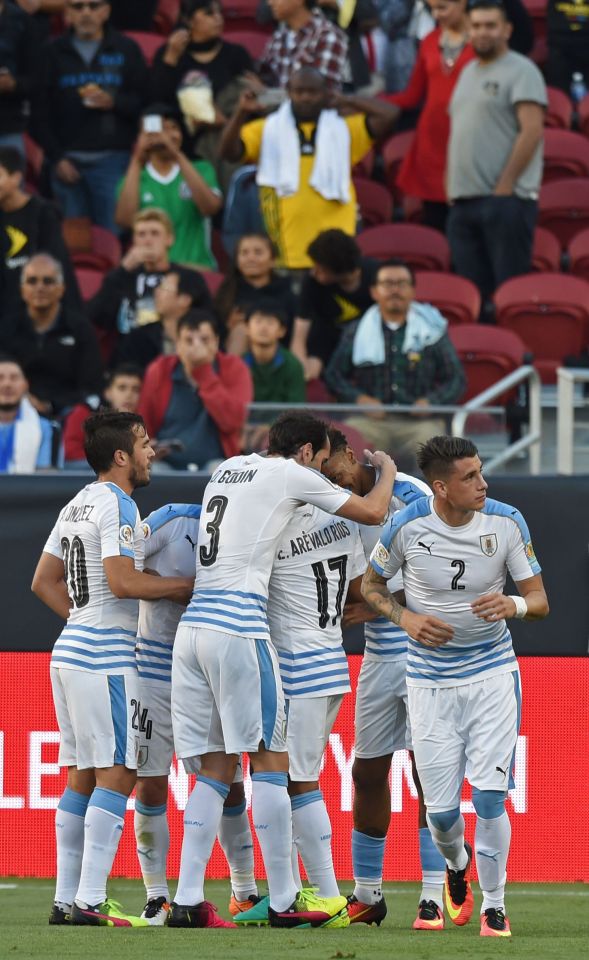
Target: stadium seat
(365,166)
(564,208)
(583,116)
(375,202)
(579,255)
(560,109)
(487,354)
(34,159)
(166,16)
(546,251)
(393,153)
(89,281)
(566,154)
(550,312)
(422,247)
(102,251)
(241,15)
(317,392)
(457,298)
(253,41)
(149,43)
(213,280)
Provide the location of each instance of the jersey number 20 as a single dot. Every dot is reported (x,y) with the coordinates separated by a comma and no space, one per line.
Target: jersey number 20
(76,574)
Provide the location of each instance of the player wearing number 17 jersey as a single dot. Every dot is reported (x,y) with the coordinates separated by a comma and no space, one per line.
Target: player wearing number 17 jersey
(90,573)
(454,550)
(226,691)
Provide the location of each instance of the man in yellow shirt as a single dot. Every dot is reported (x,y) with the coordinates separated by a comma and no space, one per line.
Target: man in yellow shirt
(299,202)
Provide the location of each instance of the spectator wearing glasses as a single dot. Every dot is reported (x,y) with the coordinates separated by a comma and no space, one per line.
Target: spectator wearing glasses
(57,348)
(398,352)
(92,86)
(25,437)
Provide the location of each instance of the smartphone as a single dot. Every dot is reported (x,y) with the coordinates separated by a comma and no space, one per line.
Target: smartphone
(272,97)
(152,123)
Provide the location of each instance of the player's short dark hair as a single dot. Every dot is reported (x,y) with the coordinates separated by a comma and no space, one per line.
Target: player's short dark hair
(12,160)
(105,433)
(124,370)
(294,428)
(336,251)
(395,262)
(338,440)
(195,319)
(436,458)
(267,308)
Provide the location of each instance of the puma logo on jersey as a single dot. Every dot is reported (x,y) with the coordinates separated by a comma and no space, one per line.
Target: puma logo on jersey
(425,546)
(504,772)
(190,541)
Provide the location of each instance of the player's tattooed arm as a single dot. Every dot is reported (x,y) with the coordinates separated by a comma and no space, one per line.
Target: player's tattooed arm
(426,629)
(377,596)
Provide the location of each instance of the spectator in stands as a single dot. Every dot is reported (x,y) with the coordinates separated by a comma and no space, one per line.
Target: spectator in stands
(56,347)
(250,278)
(336,291)
(173,298)
(404,23)
(92,86)
(161,175)
(28,224)
(304,38)
(277,374)
(398,352)
(121,393)
(305,153)
(18,58)
(25,437)
(126,299)
(568,42)
(196,400)
(494,154)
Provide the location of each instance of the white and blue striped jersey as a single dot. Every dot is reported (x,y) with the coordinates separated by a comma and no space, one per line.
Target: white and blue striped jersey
(385,640)
(101,521)
(171,535)
(317,557)
(246,505)
(444,569)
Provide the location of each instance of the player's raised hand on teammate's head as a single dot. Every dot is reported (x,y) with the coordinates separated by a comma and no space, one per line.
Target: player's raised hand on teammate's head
(426,629)
(381,461)
(492,607)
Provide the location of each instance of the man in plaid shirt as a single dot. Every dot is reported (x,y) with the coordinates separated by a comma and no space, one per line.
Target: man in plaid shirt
(303,38)
(418,365)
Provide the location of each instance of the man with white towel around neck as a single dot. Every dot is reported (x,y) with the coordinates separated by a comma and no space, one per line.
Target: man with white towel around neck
(299,200)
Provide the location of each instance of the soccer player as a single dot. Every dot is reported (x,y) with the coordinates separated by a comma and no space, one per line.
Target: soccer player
(171,534)
(381,723)
(90,573)
(317,557)
(454,550)
(226,692)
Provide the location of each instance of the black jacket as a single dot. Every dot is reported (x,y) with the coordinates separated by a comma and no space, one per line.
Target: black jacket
(62,365)
(62,123)
(18,53)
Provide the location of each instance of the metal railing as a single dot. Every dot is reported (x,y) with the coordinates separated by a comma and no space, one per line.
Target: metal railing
(565,416)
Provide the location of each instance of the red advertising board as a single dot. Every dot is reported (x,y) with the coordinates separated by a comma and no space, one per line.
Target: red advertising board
(549,807)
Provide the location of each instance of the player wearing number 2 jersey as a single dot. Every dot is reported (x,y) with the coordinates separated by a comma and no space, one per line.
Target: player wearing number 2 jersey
(90,573)
(226,690)
(454,550)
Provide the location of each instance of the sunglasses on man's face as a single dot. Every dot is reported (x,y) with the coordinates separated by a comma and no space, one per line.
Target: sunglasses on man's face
(86,5)
(46,281)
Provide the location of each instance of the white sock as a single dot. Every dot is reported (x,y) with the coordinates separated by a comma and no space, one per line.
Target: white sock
(103,826)
(237,843)
(492,839)
(312,835)
(296,867)
(202,817)
(152,835)
(273,825)
(450,843)
(69,839)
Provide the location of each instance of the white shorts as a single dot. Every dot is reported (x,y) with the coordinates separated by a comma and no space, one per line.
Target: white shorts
(156,741)
(95,713)
(470,729)
(381,721)
(309,722)
(226,694)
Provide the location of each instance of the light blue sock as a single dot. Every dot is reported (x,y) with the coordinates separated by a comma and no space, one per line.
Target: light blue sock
(367,861)
(433,869)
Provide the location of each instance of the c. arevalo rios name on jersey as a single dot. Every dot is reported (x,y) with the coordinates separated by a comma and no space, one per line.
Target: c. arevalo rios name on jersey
(233,476)
(308,542)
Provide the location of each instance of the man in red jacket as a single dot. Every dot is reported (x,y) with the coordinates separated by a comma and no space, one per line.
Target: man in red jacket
(196,399)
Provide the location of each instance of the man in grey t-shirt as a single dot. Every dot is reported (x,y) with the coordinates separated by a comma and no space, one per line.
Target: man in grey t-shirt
(494,164)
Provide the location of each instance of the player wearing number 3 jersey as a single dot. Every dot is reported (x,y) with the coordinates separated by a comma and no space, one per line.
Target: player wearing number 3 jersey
(454,550)
(226,691)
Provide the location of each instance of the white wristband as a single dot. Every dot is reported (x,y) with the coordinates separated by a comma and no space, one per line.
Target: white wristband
(521,607)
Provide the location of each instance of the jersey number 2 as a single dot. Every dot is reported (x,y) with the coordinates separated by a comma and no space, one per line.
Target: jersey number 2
(76,574)
(335,563)
(217,506)
(456,585)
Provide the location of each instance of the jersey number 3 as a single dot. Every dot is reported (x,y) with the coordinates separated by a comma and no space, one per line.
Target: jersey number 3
(216,506)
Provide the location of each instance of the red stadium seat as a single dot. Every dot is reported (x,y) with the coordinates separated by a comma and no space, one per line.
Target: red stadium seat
(254,42)
(560,109)
(457,298)
(241,15)
(487,354)
(393,153)
(564,208)
(213,280)
(317,392)
(566,154)
(365,166)
(103,251)
(375,202)
(579,255)
(149,43)
(89,281)
(583,116)
(550,312)
(422,247)
(546,251)
(166,16)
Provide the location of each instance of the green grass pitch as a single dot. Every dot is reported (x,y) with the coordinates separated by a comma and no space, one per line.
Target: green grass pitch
(548,921)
